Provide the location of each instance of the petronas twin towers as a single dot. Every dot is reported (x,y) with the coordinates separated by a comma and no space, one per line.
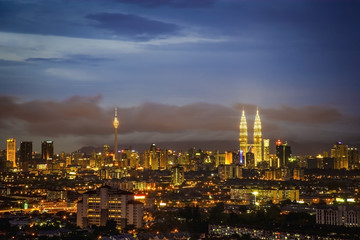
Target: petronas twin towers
(256,147)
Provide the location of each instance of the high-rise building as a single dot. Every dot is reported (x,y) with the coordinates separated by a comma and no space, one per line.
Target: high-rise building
(250,160)
(106,150)
(47,150)
(220,158)
(177,175)
(257,139)
(267,151)
(11,151)
(106,203)
(283,153)
(231,171)
(152,158)
(25,155)
(353,158)
(243,139)
(340,153)
(116,125)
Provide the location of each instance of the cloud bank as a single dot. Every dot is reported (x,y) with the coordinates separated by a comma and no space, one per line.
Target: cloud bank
(129,25)
(84,117)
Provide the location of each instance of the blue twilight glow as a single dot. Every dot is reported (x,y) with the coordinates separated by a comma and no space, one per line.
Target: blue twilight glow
(179,70)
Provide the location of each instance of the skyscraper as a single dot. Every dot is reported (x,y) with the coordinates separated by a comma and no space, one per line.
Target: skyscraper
(266,150)
(11,151)
(25,155)
(243,139)
(177,175)
(353,158)
(257,139)
(283,153)
(340,153)
(116,124)
(47,150)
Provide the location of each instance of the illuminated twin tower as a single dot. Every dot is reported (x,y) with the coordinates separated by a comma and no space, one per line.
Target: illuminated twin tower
(256,147)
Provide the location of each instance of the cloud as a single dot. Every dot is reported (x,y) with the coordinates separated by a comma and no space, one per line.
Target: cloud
(21,47)
(304,115)
(71,74)
(130,25)
(73,116)
(170,3)
(155,117)
(31,47)
(84,115)
(84,119)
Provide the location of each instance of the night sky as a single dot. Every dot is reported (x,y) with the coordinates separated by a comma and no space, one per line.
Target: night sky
(179,71)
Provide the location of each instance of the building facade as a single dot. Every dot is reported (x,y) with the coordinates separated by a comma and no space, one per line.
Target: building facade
(348,216)
(47,150)
(11,151)
(341,156)
(177,175)
(26,156)
(104,204)
(283,153)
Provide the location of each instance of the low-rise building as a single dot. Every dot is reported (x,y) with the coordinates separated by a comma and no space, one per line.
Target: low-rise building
(344,215)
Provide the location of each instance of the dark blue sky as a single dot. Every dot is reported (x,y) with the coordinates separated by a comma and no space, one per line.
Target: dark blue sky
(179,70)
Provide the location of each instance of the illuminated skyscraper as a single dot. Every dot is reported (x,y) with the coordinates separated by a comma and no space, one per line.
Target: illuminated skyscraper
(340,153)
(116,124)
(257,139)
(11,151)
(243,139)
(177,175)
(266,150)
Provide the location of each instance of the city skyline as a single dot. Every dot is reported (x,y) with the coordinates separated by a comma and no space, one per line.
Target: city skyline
(177,73)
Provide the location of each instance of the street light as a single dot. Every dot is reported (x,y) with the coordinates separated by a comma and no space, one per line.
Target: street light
(255,193)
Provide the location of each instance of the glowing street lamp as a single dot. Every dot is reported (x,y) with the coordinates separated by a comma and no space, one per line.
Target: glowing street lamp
(255,193)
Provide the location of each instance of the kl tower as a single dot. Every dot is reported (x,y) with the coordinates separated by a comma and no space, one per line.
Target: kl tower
(116,124)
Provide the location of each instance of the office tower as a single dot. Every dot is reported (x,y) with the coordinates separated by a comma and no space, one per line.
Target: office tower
(267,150)
(152,158)
(283,153)
(163,158)
(328,163)
(231,171)
(341,156)
(219,158)
(106,150)
(11,151)
(257,139)
(229,158)
(243,139)
(47,150)
(353,158)
(25,155)
(250,160)
(177,175)
(106,203)
(116,125)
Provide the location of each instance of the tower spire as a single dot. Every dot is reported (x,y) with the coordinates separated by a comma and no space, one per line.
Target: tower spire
(257,138)
(243,139)
(116,125)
